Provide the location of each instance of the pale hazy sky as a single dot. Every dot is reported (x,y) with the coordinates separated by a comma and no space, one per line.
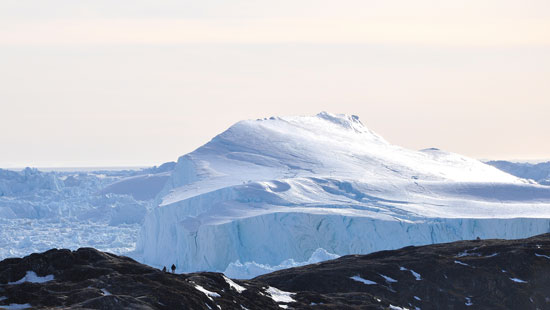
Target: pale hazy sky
(139,82)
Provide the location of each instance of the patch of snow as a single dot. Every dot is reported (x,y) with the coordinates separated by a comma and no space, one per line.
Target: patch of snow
(392,307)
(468,253)
(208,293)
(492,255)
(364,281)
(468,301)
(16,306)
(283,306)
(541,255)
(33,278)
(518,280)
(234,285)
(105,292)
(417,298)
(415,274)
(3,298)
(388,279)
(461,263)
(280,296)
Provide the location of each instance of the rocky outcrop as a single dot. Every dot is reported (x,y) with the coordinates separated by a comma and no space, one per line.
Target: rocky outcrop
(88,278)
(478,274)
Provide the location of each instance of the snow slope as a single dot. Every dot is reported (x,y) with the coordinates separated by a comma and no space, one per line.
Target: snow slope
(270,190)
(539,172)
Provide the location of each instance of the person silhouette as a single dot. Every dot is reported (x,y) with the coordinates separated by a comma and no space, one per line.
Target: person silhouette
(173,268)
(164,269)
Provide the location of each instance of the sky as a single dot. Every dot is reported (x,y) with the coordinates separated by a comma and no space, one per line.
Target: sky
(138,83)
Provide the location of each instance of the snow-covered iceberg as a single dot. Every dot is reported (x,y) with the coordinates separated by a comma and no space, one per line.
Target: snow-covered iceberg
(270,190)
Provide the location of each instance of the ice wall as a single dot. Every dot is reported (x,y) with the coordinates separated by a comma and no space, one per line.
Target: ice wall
(275,237)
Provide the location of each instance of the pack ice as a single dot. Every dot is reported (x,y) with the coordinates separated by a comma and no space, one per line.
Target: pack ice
(71,209)
(272,190)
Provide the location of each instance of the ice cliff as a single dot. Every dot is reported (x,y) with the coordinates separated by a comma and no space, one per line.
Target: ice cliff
(271,190)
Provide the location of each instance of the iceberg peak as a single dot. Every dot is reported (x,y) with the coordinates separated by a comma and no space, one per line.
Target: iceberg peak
(326,144)
(344,120)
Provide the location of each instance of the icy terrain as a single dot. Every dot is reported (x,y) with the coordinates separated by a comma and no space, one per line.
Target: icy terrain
(267,191)
(102,209)
(539,172)
(271,194)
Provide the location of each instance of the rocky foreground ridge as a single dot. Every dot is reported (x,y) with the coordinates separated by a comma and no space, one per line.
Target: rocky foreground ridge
(478,274)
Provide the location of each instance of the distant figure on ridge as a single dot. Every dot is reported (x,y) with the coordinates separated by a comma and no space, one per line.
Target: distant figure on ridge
(164,269)
(173,268)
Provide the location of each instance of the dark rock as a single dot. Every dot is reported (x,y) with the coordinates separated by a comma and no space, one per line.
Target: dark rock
(478,274)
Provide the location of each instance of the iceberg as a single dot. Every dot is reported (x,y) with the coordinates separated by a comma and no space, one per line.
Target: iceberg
(268,191)
(248,270)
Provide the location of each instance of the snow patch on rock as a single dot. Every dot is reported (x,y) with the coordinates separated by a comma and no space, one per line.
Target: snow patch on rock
(364,281)
(279,296)
(32,277)
(208,293)
(235,286)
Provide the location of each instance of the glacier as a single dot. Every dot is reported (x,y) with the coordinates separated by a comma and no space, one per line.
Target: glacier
(271,191)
